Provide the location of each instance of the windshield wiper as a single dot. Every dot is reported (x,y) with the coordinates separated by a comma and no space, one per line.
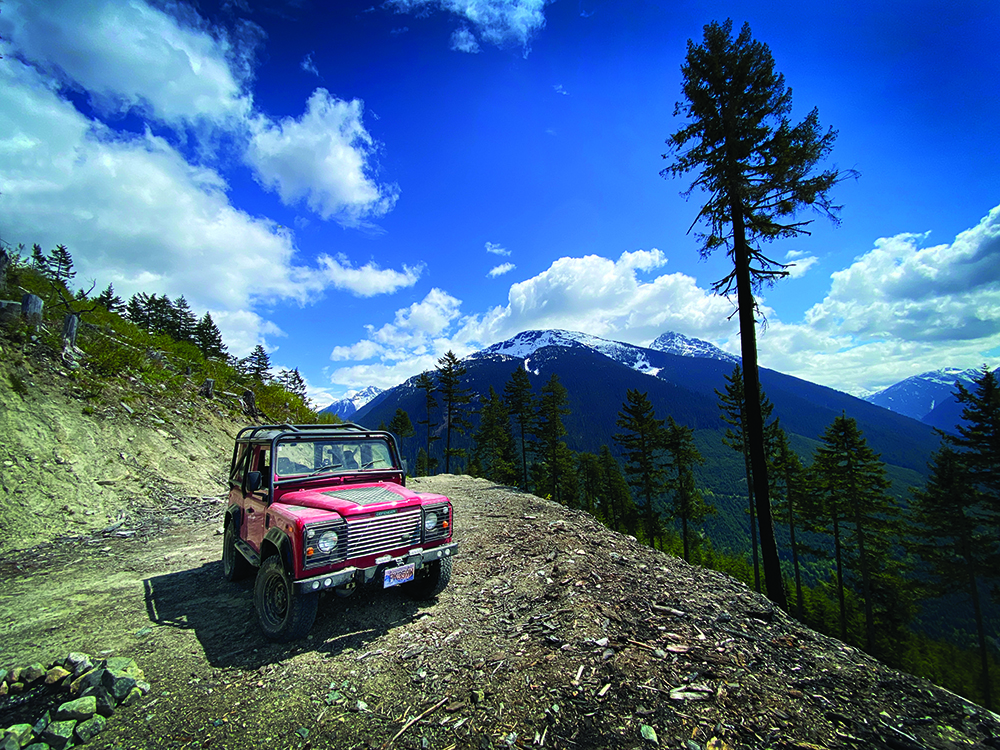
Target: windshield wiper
(325,467)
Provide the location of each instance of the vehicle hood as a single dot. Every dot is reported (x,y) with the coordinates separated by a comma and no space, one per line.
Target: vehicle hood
(358,498)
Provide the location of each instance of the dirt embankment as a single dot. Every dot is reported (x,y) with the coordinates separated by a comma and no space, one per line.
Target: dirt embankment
(554,632)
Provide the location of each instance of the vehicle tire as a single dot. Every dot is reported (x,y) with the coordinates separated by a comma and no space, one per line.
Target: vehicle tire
(234,566)
(283,615)
(433,581)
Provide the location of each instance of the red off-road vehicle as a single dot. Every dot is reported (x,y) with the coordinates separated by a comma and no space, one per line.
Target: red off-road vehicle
(324,507)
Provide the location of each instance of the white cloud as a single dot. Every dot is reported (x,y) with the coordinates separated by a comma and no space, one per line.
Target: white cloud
(499,22)
(321,158)
(144,219)
(309,65)
(463,40)
(558,88)
(501,270)
(495,248)
(798,267)
(129,55)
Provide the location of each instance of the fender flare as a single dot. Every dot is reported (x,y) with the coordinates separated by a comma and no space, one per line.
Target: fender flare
(277,540)
(234,517)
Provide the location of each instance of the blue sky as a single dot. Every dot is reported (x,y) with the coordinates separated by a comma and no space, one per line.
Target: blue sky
(362,187)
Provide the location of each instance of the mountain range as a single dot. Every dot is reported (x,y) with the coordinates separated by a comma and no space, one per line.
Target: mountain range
(929,397)
(681,378)
(346,408)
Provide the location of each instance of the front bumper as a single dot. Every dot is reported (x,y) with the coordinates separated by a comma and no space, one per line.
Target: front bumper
(361,576)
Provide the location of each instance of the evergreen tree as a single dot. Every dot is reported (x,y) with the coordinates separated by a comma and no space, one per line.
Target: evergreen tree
(757,169)
(423,464)
(111,301)
(520,401)
(426,384)
(588,467)
(183,321)
(160,315)
(732,403)
(978,440)
(208,338)
(39,262)
(951,538)
(557,477)
(494,446)
(454,400)
(60,264)
(643,445)
(689,503)
(293,382)
(257,365)
(400,424)
(137,310)
(619,509)
(853,488)
(790,488)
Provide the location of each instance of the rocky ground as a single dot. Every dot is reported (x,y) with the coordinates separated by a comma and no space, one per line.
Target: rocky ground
(554,631)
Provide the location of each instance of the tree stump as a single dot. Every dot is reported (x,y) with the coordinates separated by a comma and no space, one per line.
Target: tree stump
(31,309)
(4,265)
(250,404)
(10,312)
(207,389)
(71,324)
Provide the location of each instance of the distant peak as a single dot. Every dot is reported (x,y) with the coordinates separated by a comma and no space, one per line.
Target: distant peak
(685,346)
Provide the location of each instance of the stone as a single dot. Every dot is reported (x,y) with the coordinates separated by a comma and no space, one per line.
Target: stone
(59,734)
(9,742)
(4,688)
(648,734)
(56,675)
(125,666)
(78,663)
(118,684)
(87,730)
(93,678)
(16,688)
(79,710)
(3,674)
(133,697)
(37,746)
(105,703)
(43,721)
(21,732)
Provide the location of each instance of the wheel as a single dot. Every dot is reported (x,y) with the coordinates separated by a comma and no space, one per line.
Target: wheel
(234,565)
(433,581)
(283,616)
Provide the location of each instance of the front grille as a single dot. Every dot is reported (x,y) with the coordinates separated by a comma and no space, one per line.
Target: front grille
(370,536)
(440,531)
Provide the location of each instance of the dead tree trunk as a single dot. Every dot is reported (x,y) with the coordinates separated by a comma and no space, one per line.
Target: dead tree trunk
(4,265)
(71,324)
(31,309)
(207,389)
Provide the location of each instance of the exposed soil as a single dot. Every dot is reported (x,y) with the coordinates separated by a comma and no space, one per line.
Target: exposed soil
(554,631)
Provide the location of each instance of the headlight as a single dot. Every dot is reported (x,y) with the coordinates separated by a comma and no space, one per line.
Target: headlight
(430,521)
(327,542)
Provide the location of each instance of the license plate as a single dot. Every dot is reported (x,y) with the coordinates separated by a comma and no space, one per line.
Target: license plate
(396,576)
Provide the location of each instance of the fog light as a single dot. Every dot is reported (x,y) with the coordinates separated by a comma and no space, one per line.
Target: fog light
(315,585)
(328,582)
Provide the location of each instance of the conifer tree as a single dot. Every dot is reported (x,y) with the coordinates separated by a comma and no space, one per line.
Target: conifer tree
(688,501)
(258,364)
(588,467)
(557,475)
(953,540)
(183,321)
(208,338)
(619,508)
(853,488)
(60,264)
(39,262)
(292,381)
(400,424)
(494,445)
(137,310)
(757,170)
(790,490)
(644,445)
(426,384)
(454,401)
(978,440)
(111,301)
(521,405)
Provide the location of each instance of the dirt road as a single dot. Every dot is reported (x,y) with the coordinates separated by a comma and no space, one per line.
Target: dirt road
(554,633)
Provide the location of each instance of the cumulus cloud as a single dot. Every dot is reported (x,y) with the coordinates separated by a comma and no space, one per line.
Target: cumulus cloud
(499,22)
(495,248)
(798,267)
(501,270)
(463,40)
(145,219)
(134,56)
(594,294)
(321,158)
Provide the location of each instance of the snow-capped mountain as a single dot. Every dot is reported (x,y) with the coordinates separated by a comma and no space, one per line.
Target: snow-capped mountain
(919,395)
(677,343)
(346,407)
(526,343)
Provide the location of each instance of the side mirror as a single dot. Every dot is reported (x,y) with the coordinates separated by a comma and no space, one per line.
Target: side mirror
(254,481)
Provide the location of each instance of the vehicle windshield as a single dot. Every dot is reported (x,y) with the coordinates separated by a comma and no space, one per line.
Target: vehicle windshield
(298,457)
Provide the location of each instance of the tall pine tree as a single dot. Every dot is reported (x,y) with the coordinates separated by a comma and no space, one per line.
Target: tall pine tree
(455,399)
(688,501)
(644,445)
(426,464)
(520,402)
(494,445)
